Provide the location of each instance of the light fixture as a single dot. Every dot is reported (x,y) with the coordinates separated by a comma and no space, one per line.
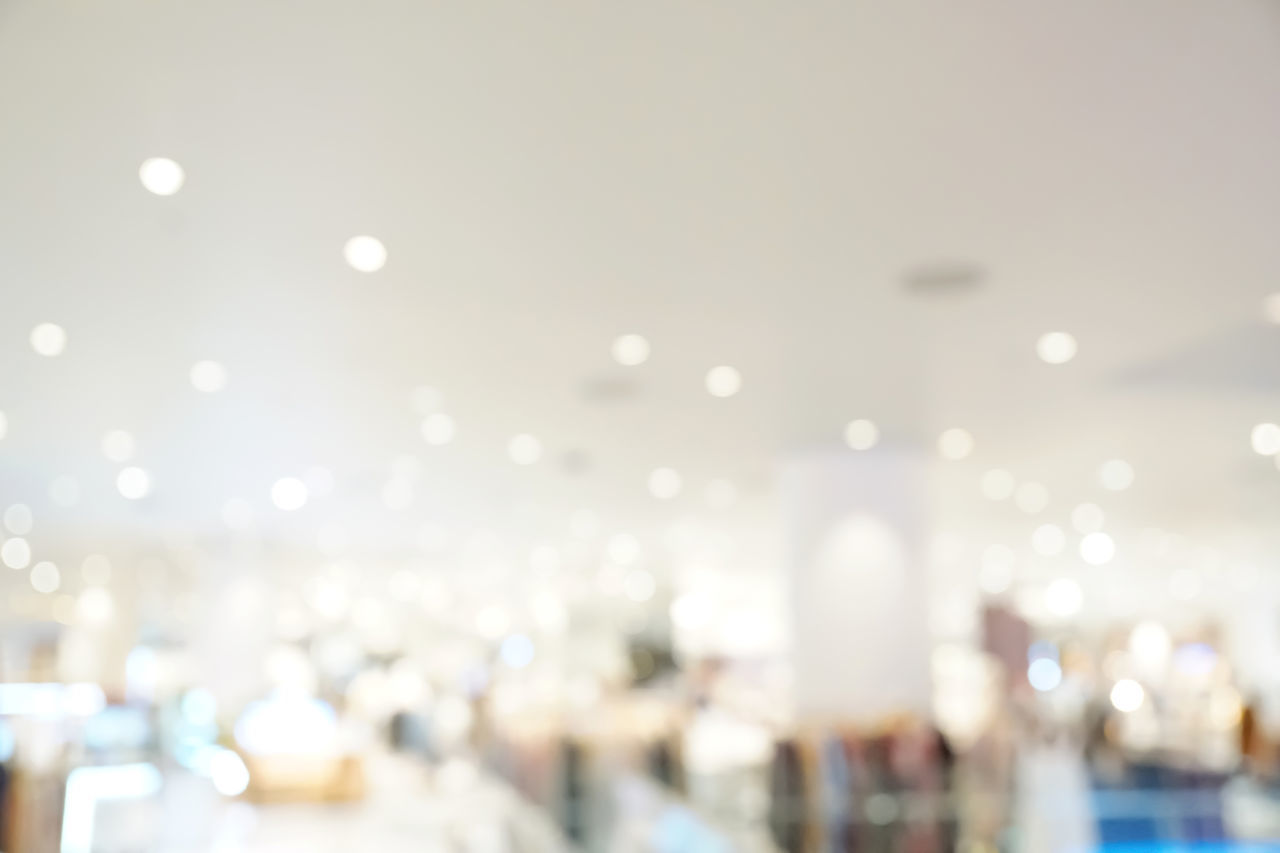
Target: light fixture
(1097,548)
(861,434)
(1063,597)
(48,339)
(664,483)
(45,577)
(208,376)
(955,444)
(1115,475)
(289,494)
(630,350)
(524,449)
(438,429)
(16,553)
(365,253)
(1265,439)
(1044,674)
(723,381)
(1127,695)
(161,175)
(1056,348)
(133,483)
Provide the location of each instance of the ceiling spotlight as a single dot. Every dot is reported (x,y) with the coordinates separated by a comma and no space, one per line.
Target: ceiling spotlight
(289,494)
(1056,348)
(48,339)
(208,376)
(365,253)
(861,434)
(161,175)
(630,350)
(664,483)
(1265,439)
(955,444)
(133,483)
(1115,475)
(438,429)
(723,381)
(524,449)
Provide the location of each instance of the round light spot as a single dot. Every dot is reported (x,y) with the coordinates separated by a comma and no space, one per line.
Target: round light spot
(228,772)
(861,434)
(1127,695)
(1271,309)
(48,339)
(1048,540)
(721,494)
(1265,439)
(118,446)
(955,444)
(664,483)
(4,424)
(161,175)
(524,449)
(997,485)
(18,519)
(1056,347)
(1044,674)
(96,570)
(996,573)
(16,553)
(289,494)
(517,651)
(133,483)
(95,606)
(1097,548)
(365,253)
(208,376)
(1031,497)
(438,429)
(1115,475)
(638,586)
(1063,598)
(45,577)
(65,490)
(723,381)
(630,350)
(1087,518)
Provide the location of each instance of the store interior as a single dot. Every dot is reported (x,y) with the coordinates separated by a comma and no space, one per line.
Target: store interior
(684,427)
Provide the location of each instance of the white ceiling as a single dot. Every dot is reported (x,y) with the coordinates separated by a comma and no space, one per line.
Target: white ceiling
(742,183)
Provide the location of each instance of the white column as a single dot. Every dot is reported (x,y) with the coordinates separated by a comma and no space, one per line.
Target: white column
(855,525)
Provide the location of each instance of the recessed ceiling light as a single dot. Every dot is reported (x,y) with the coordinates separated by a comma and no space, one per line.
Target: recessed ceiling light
(438,429)
(861,434)
(723,381)
(133,483)
(664,483)
(1265,439)
(1115,475)
(365,253)
(955,444)
(48,339)
(289,494)
(1097,548)
(1056,348)
(630,350)
(524,449)
(161,175)
(208,376)
(1031,497)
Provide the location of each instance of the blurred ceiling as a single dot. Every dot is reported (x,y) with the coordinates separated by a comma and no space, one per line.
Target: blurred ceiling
(743,183)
